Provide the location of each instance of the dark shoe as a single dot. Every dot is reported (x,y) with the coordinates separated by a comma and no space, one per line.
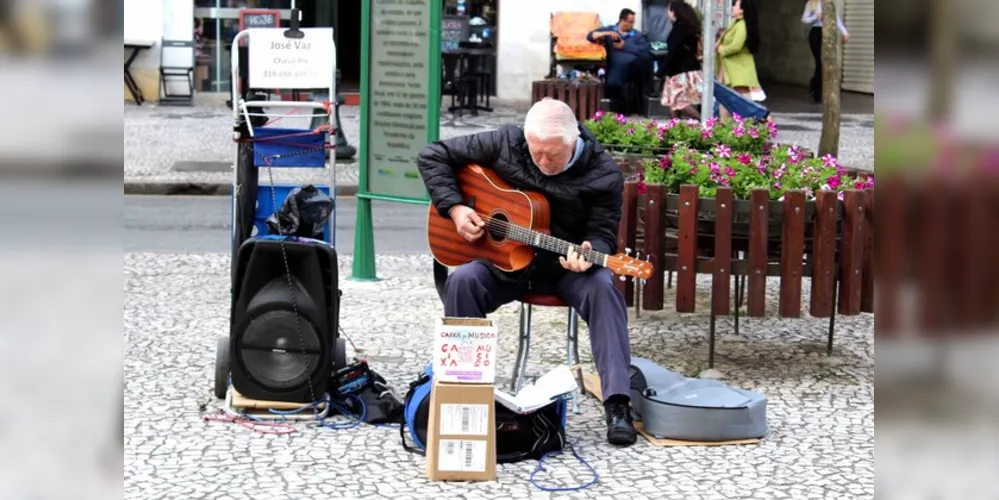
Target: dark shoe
(620,428)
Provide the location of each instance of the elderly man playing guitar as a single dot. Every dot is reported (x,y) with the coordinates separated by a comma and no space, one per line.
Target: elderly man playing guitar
(552,156)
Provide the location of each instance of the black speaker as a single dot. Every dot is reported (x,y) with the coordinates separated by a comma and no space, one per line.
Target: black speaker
(267,359)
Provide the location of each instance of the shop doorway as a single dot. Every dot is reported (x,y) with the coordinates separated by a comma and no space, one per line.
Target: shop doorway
(347,26)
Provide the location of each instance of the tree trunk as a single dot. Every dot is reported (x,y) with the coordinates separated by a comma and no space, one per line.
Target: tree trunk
(832,76)
(943,44)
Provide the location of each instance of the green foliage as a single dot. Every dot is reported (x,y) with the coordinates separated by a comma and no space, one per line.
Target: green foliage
(780,169)
(648,138)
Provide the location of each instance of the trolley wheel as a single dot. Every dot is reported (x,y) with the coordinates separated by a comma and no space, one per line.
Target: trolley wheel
(221,367)
(339,353)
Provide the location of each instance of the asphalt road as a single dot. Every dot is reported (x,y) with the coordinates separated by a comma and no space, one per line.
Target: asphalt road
(196,224)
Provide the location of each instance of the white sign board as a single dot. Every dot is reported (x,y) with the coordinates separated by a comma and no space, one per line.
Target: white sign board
(278,62)
(465,351)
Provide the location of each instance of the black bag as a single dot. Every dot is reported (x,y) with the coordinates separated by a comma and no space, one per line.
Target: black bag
(304,213)
(518,437)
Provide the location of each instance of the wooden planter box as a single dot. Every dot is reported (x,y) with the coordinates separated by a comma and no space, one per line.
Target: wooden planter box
(828,240)
(582,97)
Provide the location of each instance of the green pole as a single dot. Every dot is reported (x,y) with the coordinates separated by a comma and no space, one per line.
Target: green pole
(364,233)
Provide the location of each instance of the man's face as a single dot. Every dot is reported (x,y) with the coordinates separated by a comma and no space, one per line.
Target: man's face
(550,155)
(627,24)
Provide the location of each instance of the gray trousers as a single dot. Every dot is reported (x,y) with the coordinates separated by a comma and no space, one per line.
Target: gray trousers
(473,291)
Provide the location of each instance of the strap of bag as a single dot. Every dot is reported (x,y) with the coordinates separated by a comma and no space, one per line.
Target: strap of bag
(405,445)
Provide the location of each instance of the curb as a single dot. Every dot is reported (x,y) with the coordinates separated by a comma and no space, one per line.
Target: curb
(200,189)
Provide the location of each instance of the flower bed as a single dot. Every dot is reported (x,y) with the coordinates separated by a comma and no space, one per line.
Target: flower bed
(781,169)
(650,138)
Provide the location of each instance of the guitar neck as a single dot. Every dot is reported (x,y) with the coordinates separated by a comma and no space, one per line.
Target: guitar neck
(556,245)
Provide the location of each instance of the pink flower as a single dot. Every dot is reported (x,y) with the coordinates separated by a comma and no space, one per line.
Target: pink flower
(754,134)
(738,131)
(794,154)
(630,131)
(712,121)
(724,181)
(665,162)
(778,185)
(598,115)
(859,185)
(692,122)
(715,169)
(840,196)
(762,168)
(870,182)
(829,160)
(642,188)
(833,181)
(707,133)
(620,118)
(780,171)
(729,172)
(737,117)
(724,151)
(745,158)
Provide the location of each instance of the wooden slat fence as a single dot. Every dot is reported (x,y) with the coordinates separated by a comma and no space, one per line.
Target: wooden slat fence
(582,97)
(827,240)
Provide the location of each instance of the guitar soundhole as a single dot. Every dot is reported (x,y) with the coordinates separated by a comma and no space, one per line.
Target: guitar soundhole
(496,227)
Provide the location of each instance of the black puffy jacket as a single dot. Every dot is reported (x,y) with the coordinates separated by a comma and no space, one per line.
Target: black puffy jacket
(585,199)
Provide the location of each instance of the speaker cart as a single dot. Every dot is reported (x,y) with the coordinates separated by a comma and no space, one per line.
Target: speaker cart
(291,61)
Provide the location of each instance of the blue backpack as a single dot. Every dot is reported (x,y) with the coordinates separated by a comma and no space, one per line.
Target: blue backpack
(518,437)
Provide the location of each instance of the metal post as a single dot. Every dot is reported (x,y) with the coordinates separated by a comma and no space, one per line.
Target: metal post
(708,62)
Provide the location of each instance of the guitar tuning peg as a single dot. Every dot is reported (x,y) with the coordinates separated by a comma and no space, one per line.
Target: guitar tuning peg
(627,251)
(643,282)
(622,278)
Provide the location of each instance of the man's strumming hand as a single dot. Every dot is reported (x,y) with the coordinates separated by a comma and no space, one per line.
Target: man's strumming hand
(468,223)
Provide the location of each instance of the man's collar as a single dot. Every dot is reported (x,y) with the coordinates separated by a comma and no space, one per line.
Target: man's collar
(576,154)
(617,28)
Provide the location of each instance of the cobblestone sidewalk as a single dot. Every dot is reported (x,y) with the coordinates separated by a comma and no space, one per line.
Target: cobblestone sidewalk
(821,410)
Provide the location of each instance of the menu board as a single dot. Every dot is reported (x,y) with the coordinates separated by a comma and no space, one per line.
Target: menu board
(398,96)
(454,29)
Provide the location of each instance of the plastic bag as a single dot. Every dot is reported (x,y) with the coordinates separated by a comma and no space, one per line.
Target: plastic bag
(304,213)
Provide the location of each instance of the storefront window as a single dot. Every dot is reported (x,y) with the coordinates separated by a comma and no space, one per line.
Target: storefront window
(216,23)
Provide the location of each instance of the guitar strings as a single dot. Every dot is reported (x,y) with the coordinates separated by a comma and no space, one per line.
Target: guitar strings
(514,229)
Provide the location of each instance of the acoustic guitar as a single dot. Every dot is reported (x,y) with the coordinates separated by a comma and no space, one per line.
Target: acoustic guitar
(516,222)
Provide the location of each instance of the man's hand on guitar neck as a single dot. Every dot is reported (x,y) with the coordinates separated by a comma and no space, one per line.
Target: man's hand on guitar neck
(574,261)
(467,222)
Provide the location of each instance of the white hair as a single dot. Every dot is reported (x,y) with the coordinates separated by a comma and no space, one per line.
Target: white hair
(550,118)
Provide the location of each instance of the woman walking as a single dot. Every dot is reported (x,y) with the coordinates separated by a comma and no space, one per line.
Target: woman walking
(684,81)
(812,17)
(736,64)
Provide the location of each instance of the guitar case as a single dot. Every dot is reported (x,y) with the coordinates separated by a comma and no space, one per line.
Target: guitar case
(673,406)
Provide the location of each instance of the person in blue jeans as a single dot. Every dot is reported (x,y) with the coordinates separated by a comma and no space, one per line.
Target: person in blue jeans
(628,57)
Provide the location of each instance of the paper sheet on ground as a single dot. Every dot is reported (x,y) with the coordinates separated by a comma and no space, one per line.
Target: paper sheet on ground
(549,387)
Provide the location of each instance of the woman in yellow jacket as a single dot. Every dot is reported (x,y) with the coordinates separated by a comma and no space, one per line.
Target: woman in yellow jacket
(736,46)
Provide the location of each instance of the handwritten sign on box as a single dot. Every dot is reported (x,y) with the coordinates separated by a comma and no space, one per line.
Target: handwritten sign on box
(465,350)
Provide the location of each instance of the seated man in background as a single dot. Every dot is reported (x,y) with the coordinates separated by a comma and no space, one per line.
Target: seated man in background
(552,155)
(628,58)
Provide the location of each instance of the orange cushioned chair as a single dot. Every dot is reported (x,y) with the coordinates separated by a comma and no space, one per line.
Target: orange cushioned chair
(569,30)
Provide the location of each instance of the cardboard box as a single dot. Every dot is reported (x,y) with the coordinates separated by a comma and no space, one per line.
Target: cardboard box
(465,351)
(461,432)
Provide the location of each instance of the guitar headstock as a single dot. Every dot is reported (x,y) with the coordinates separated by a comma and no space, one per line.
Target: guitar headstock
(625,265)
